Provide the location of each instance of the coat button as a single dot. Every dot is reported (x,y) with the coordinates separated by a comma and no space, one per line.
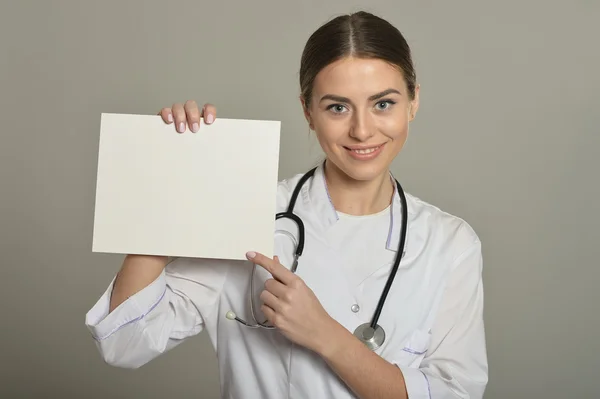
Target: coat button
(355,308)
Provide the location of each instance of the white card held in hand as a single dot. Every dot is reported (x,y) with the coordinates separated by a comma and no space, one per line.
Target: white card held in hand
(210,194)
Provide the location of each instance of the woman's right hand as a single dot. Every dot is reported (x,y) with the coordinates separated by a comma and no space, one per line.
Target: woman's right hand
(188,115)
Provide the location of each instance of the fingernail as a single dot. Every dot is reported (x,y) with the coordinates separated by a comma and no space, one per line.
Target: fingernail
(250,255)
(195,127)
(210,118)
(181,127)
(170,118)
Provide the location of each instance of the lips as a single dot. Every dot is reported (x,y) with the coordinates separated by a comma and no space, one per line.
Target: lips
(365,153)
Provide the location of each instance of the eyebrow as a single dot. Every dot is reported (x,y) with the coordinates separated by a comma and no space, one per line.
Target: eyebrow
(374,97)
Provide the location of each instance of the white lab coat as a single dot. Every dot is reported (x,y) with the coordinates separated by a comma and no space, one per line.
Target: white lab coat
(432,316)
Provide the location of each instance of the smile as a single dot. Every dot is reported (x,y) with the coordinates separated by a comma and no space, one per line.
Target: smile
(364,153)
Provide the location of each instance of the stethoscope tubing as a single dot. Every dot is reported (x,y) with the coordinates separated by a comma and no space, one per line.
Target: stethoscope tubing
(397,259)
(289,214)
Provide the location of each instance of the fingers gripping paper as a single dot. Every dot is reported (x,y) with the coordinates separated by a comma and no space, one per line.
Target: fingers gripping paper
(210,194)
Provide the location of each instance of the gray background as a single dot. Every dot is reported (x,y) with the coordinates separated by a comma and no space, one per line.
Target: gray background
(506,137)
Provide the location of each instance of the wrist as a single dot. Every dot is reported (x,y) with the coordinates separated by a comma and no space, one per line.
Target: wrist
(334,339)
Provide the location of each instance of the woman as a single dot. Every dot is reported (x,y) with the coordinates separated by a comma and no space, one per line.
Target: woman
(359,94)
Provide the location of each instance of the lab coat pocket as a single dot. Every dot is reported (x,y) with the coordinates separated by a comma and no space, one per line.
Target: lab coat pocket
(413,351)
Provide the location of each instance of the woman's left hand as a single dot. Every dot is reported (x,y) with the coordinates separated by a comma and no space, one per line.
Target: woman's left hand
(292,307)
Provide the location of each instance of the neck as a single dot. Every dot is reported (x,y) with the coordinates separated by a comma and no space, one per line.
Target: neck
(358,197)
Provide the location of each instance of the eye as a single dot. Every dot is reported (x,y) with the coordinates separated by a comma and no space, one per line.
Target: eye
(336,108)
(385,104)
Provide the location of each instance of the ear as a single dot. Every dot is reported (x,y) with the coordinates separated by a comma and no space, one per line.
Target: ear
(306,112)
(414,104)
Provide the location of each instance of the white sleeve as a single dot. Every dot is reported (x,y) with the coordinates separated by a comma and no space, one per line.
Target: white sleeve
(159,317)
(455,365)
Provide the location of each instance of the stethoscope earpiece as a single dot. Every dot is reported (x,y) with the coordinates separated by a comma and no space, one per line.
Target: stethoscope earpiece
(230,315)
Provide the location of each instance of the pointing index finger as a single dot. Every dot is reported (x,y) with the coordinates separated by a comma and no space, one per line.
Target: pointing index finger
(277,270)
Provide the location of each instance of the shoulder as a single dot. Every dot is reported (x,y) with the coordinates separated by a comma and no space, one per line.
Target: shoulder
(445,232)
(285,189)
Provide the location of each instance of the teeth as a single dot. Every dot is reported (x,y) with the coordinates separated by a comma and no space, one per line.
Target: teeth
(367,151)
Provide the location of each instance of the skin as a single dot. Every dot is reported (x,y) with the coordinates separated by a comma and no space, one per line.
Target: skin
(355,102)
(360,187)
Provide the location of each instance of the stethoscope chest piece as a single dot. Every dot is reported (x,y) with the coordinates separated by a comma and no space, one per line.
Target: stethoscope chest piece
(372,338)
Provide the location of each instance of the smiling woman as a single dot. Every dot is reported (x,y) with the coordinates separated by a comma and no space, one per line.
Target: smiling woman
(360,109)
(363,243)
(359,92)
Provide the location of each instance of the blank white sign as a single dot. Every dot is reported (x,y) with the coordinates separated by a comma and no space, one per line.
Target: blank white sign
(209,194)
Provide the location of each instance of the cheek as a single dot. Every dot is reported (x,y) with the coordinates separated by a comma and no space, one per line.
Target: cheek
(330,130)
(395,128)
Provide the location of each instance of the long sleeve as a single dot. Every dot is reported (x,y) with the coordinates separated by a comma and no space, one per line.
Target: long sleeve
(159,317)
(455,365)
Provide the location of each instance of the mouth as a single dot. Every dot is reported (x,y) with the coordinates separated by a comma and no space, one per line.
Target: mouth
(364,153)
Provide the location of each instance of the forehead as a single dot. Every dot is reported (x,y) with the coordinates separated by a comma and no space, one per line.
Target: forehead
(358,76)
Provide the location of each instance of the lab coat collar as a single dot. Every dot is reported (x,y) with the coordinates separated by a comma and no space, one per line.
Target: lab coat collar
(316,196)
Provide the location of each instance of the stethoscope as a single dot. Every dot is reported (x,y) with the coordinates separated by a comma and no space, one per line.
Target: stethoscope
(371,334)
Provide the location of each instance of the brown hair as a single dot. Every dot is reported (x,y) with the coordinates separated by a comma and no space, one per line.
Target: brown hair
(361,35)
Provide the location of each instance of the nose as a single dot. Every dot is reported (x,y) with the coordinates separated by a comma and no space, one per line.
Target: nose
(362,126)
